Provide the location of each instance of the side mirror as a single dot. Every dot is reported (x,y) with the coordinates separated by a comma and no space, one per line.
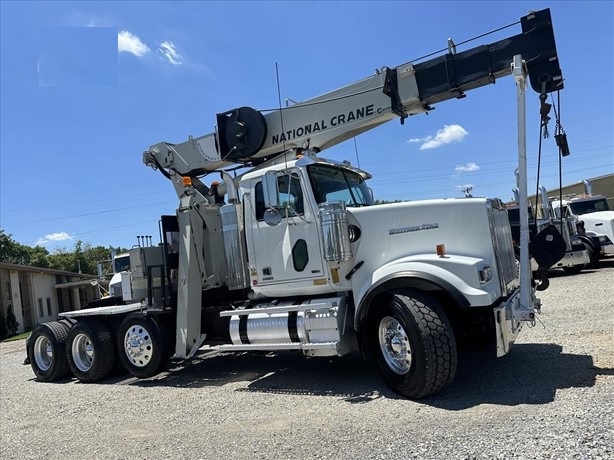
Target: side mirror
(270,190)
(272,217)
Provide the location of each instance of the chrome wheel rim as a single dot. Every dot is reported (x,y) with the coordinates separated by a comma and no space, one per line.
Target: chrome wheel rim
(138,345)
(43,353)
(394,345)
(82,352)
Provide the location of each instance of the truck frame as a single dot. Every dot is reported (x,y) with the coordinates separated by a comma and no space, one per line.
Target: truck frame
(292,254)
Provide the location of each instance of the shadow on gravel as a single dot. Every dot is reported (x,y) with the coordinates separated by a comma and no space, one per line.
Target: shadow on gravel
(530,374)
(348,377)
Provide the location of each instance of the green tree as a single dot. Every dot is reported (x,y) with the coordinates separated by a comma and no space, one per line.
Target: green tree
(4,332)
(387,201)
(11,251)
(83,257)
(16,253)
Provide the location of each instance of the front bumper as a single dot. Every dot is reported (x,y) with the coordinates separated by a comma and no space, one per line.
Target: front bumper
(510,316)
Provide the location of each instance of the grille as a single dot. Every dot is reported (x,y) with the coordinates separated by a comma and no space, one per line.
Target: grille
(234,247)
(501,233)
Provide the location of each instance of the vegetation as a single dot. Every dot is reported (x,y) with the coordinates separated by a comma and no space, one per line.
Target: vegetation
(11,321)
(4,332)
(23,335)
(82,258)
(387,201)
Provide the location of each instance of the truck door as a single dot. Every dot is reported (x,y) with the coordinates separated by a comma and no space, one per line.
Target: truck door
(289,251)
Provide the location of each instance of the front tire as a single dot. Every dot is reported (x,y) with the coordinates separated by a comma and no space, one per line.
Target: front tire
(593,256)
(142,345)
(413,344)
(47,351)
(90,351)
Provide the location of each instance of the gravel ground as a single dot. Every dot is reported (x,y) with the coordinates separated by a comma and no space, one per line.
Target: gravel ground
(552,397)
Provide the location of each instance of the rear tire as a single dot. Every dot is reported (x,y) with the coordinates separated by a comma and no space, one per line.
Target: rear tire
(413,344)
(46,348)
(90,351)
(142,345)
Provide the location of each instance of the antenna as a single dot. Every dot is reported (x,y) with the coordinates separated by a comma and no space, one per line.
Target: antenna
(467,191)
(281,113)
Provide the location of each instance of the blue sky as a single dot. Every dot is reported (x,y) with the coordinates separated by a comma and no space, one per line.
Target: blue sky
(86,87)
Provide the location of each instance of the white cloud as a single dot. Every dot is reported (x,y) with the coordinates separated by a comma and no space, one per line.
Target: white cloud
(446,135)
(53,238)
(130,43)
(468,167)
(169,51)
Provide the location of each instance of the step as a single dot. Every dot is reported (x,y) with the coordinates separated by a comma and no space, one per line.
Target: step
(323,349)
(279,309)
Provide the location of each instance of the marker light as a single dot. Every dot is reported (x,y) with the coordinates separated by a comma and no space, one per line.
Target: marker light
(186,181)
(441,250)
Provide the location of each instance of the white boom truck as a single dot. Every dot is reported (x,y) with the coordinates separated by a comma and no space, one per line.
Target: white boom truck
(593,219)
(294,255)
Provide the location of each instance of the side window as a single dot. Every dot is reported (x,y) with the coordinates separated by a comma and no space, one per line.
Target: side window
(290,196)
(260,207)
(290,193)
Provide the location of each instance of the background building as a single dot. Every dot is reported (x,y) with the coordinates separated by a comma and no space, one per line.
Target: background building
(602,185)
(40,294)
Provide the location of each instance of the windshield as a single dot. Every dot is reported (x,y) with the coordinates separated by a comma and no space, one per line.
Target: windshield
(121,263)
(588,206)
(331,183)
(514,215)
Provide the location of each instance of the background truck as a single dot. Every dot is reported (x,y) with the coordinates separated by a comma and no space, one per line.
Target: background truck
(576,255)
(593,219)
(292,254)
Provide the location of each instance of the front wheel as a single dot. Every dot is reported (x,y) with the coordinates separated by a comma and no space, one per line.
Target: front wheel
(593,256)
(142,345)
(90,350)
(46,349)
(413,344)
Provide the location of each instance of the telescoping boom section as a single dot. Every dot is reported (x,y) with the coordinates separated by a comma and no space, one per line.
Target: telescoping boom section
(245,135)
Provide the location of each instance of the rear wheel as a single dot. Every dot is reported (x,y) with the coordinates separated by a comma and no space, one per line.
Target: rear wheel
(90,351)
(413,344)
(47,351)
(142,345)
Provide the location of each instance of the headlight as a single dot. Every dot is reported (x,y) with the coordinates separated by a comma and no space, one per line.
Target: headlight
(604,239)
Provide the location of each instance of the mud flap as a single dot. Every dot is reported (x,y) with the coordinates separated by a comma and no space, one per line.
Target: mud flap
(507,328)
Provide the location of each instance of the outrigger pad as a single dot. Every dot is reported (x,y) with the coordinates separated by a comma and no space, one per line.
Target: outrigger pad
(547,247)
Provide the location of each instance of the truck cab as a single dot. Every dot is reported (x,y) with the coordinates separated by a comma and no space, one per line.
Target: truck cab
(328,236)
(594,222)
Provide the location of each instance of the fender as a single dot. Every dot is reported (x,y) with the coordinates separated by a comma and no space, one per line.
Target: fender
(426,274)
(591,240)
